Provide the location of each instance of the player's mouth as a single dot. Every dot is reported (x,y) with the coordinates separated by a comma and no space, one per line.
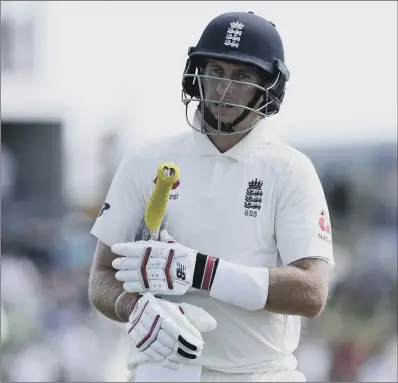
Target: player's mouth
(222,109)
(222,105)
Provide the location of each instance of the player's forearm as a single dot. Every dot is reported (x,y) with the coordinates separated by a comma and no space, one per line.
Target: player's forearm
(294,291)
(104,290)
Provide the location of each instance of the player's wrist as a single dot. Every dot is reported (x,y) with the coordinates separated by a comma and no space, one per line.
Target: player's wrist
(125,304)
(240,285)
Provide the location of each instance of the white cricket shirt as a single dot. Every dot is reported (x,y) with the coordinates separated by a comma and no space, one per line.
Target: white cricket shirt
(259,204)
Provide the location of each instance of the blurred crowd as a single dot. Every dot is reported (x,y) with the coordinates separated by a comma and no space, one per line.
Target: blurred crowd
(50,332)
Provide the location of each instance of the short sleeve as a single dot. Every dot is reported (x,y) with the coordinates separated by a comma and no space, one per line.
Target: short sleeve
(123,210)
(302,225)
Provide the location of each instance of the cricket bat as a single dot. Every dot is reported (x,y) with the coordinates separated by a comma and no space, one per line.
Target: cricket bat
(167,174)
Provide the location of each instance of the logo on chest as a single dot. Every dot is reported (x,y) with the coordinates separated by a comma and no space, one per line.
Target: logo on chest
(173,193)
(253,199)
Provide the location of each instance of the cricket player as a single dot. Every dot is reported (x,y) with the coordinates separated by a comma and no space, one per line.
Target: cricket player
(246,244)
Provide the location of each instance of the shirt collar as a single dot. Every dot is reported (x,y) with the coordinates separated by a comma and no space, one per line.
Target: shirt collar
(254,140)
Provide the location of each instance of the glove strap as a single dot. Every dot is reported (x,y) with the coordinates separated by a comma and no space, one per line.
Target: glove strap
(205,269)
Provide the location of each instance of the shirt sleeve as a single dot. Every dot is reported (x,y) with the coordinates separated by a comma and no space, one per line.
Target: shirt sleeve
(123,210)
(302,225)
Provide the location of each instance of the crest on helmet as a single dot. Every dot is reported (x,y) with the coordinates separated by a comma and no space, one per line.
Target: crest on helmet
(233,35)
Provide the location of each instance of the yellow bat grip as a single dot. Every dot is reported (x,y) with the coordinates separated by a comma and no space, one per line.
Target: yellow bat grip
(167,174)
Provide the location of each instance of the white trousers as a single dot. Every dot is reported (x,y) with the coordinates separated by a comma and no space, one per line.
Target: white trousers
(272,376)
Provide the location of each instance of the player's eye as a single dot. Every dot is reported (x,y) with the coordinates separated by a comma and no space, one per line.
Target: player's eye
(244,77)
(215,72)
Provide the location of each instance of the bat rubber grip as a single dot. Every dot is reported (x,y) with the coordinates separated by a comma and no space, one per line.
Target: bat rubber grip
(167,175)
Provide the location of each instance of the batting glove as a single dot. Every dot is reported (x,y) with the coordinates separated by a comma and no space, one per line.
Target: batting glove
(168,333)
(162,267)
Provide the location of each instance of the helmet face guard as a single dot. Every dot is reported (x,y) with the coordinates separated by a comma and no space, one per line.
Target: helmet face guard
(214,121)
(238,38)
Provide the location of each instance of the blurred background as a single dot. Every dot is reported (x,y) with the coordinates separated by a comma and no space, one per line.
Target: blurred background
(81,82)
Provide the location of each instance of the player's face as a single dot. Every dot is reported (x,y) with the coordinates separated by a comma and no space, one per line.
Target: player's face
(218,88)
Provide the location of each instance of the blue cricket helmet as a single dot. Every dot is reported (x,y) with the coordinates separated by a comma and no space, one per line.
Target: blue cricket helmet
(243,38)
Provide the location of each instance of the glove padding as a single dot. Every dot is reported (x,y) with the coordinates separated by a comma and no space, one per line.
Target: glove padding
(164,267)
(168,333)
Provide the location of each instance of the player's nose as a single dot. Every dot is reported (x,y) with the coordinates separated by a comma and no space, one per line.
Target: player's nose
(224,89)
